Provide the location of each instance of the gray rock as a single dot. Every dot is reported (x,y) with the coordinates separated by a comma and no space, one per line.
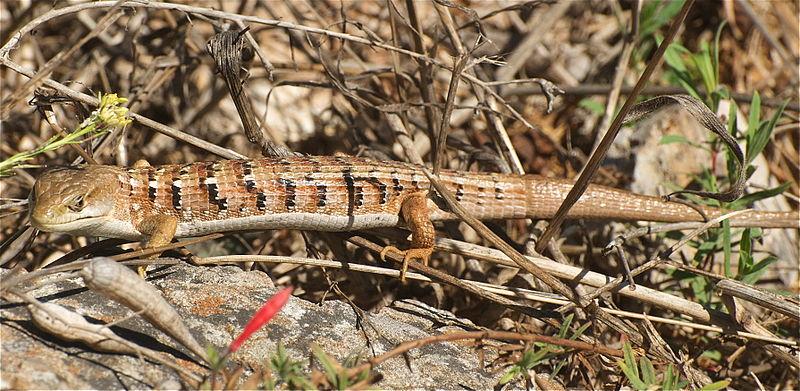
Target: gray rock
(216,303)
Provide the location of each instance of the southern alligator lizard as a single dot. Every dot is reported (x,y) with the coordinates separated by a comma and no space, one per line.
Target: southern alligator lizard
(318,193)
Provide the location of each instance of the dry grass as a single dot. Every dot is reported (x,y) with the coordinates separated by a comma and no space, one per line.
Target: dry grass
(377,79)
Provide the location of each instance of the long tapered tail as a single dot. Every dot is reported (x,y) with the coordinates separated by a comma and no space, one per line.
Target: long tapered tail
(600,202)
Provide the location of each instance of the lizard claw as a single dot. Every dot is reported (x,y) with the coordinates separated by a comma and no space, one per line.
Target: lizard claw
(142,270)
(386,251)
(423,254)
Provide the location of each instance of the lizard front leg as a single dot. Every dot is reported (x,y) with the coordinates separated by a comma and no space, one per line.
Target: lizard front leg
(414,211)
(160,229)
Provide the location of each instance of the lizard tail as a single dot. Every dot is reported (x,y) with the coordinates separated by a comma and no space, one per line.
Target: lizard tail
(601,202)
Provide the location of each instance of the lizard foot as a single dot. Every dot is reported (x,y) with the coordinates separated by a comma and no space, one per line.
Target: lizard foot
(423,254)
(159,229)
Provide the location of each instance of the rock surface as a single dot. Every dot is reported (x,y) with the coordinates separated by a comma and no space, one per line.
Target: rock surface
(216,303)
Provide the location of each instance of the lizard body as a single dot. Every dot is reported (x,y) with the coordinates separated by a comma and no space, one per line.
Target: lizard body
(318,193)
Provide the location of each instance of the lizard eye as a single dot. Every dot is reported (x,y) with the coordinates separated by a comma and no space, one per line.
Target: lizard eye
(77,204)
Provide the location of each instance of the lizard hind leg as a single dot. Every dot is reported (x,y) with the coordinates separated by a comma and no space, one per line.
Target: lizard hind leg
(414,211)
(160,229)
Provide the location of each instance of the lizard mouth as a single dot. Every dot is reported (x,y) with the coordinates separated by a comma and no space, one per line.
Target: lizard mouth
(75,226)
(102,226)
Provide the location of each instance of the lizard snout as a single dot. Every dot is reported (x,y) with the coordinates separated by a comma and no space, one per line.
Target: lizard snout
(62,198)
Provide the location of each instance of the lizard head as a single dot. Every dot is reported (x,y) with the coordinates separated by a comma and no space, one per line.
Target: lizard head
(73,199)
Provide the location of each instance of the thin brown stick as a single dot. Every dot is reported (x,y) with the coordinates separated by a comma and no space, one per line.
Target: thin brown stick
(622,69)
(51,119)
(157,126)
(490,236)
(764,298)
(7,282)
(425,83)
(23,91)
(11,44)
(480,335)
(448,279)
(590,278)
(603,89)
(227,48)
(444,126)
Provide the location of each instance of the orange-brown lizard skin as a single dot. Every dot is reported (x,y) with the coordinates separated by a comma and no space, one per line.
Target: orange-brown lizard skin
(322,194)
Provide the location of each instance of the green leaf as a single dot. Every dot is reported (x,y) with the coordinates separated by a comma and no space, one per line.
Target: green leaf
(759,140)
(701,289)
(215,360)
(715,49)
(754,118)
(679,70)
(527,361)
(677,138)
(510,374)
(632,374)
(580,331)
(720,93)
(530,359)
(562,331)
(754,274)
(702,61)
(656,14)
(749,172)
(712,354)
(759,195)
(726,247)
(279,361)
(777,116)
(718,385)
(538,357)
(331,370)
(669,379)
(630,359)
(733,131)
(686,82)
(745,253)
(592,105)
(708,182)
(673,138)
(672,56)
(361,376)
(533,357)
(269,382)
(648,372)
(707,246)
(287,370)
